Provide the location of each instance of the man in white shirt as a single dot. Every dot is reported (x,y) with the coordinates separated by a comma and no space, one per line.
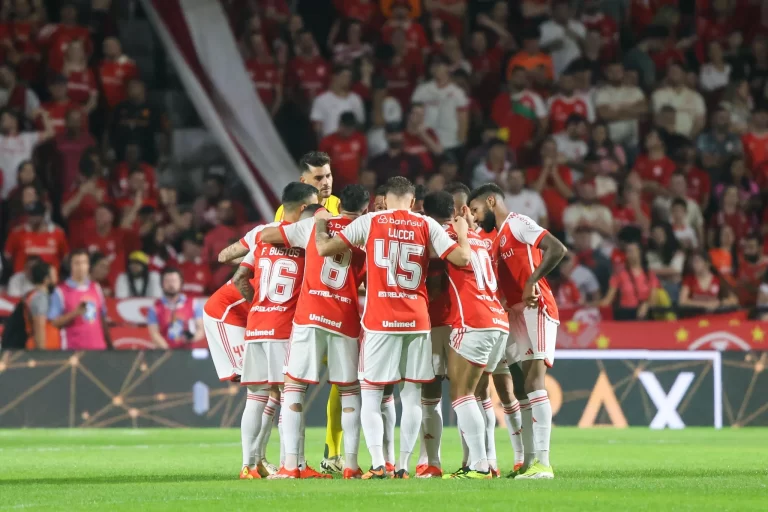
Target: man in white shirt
(446,106)
(571,148)
(587,211)
(621,106)
(520,199)
(328,106)
(688,103)
(21,282)
(562,36)
(17,147)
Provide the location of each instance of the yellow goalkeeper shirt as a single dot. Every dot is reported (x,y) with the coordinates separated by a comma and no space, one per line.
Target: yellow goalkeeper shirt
(332,204)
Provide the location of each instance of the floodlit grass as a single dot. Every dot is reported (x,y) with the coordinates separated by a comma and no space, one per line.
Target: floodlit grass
(599,469)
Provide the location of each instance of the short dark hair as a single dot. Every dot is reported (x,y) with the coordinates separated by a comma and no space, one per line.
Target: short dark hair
(171,270)
(296,194)
(458,187)
(381,190)
(574,119)
(679,201)
(78,252)
(95,258)
(354,198)
(347,119)
(439,205)
(400,186)
(39,272)
(421,192)
(484,191)
(340,68)
(310,210)
(314,159)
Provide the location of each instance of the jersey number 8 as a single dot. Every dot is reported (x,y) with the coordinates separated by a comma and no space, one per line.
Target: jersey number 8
(275,281)
(335,270)
(398,259)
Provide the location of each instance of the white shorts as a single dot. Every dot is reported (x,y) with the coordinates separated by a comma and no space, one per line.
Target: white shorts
(226,343)
(389,358)
(308,349)
(532,335)
(264,362)
(441,338)
(481,348)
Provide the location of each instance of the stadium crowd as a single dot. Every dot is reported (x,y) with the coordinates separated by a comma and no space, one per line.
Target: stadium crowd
(635,131)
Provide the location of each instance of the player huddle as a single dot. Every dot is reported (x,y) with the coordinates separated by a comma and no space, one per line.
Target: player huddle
(458,292)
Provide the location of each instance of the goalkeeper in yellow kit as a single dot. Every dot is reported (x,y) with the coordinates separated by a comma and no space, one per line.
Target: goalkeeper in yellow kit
(316,171)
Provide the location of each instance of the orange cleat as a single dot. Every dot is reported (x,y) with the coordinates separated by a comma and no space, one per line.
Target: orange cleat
(517,466)
(352,474)
(375,474)
(401,474)
(283,474)
(249,474)
(308,472)
(420,469)
(495,473)
(429,472)
(390,469)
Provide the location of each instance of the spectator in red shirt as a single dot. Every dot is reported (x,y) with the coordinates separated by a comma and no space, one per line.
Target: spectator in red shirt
(14,94)
(630,210)
(419,140)
(81,84)
(654,167)
(124,169)
(486,68)
(403,67)
(699,184)
(755,142)
(415,36)
(219,237)
(702,291)
(56,38)
(365,11)
(264,74)
(348,150)
(37,237)
(730,213)
(308,73)
(87,191)
(567,103)
(115,71)
(195,271)
(104,237)
(633,285)
(204,209)
(395,161)
(70,147)
(752,265)
(554,182)
(451,12)
(59,104)
(352,48)
(594,19)
(136,205)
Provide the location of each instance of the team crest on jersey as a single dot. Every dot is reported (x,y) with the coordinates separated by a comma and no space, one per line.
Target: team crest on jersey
(488,244)
(503,240)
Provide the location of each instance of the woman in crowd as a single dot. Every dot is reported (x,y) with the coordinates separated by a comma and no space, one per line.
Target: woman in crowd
(81,83)
(749,191)
(737,100)
(722,255)
(612,156)
(665,258)
(702,289)
(632,288)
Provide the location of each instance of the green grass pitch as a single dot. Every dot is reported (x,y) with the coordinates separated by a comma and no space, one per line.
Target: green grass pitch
(599,469)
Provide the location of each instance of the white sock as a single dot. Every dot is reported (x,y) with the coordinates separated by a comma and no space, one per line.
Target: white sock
(350,423)
(293,395)
(280,431)
(529,451)
(514,421)
(464,447)
(389,415)
(490,430)
(267,422)
(472,427)
(410,422)
(432,430)
(372,421)
(423,457)
(250,424)
(302,435)
(542,426)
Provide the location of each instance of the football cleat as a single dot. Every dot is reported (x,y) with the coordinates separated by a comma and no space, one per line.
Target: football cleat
(332,465)
(536,471)
(516,470)
(468,474)
(375,474)
(401,475)
(283,474)
(390,469)
(430,472)
(420,469)
(266,468)
(249,474)
(352,474)
(309,472)
(495,473)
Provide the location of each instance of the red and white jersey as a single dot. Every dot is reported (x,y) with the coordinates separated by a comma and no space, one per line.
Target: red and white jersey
(440,308)
(329,298)
(473,290)
(560,107)
(397,245)
(517,251)
(227,303)
(488,237)
(279,272)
